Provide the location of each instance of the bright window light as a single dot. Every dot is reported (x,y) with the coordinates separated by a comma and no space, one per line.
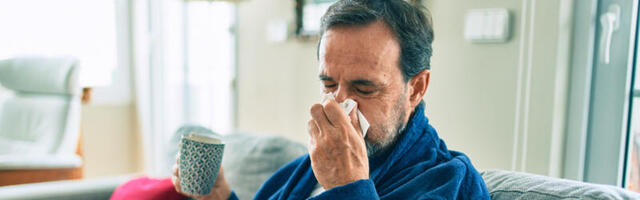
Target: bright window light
(210,57)
(83,29)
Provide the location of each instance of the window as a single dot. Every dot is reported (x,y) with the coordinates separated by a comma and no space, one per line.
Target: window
(633,156)
(185,58)
(83,29)
(604,113)
(210,65)
(632,168)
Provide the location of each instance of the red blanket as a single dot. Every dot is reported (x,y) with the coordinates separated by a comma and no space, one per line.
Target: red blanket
(144,188)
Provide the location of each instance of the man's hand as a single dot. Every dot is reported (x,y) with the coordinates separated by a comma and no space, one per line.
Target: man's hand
(220,190)
(337,149)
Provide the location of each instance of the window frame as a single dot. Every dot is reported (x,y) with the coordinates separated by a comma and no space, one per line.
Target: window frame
(600,96)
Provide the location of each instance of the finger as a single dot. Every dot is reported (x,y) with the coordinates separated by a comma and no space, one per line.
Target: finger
(175,179)
(311,143)
(176,183)
(312,128)
(317,113)
(176,169)
(221,173)
(335,114)
(314,132)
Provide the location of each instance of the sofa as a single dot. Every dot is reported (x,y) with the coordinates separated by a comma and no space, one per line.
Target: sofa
(250,159)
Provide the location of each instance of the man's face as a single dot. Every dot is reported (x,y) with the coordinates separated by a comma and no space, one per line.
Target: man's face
(363,63)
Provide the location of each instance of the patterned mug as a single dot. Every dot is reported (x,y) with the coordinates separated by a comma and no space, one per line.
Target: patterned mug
(200,160)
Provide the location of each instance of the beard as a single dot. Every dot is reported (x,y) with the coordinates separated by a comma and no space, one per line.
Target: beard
(390,131)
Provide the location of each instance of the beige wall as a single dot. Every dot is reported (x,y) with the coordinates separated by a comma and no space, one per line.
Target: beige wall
(111,144)
(471,97)
(476,94)
(111,136)
(277,82)
(485,97)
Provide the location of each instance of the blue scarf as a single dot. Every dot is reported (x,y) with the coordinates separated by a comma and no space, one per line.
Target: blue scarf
(418,166)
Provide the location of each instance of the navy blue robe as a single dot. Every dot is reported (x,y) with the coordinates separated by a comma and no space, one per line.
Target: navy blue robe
(419,166)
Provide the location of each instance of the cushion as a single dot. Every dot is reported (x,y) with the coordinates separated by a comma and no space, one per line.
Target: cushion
(33,124)
(249,159)
(54,75)
(521,186)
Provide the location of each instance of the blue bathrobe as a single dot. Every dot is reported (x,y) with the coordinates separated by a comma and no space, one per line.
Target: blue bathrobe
(419,166)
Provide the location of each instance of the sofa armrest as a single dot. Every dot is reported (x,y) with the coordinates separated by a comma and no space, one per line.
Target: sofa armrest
(101,188)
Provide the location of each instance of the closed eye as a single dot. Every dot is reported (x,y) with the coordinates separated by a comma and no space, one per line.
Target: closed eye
(330,86)
(365,92)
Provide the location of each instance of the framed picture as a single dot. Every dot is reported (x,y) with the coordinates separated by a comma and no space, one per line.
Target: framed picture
(308,15)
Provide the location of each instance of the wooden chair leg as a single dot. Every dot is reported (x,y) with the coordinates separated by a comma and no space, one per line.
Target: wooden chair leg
(23,176)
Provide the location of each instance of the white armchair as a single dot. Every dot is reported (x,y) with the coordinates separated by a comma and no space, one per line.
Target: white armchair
(39,120)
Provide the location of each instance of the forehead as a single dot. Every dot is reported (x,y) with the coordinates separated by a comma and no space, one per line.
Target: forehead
(366,50)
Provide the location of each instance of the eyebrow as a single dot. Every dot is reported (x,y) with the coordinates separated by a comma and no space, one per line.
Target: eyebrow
(353,82)
(363,82)
(325,78)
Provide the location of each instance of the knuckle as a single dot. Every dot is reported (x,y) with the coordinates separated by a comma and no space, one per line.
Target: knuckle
(315,108)
(332,105)
(311,124)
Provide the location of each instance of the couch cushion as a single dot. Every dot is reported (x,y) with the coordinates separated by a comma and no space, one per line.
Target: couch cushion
(520,186)
(249,159)
(33,124)
(35,74)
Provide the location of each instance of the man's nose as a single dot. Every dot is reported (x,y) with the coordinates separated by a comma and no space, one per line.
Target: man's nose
(341,94)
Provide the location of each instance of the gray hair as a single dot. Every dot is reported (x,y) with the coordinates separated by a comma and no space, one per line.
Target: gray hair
(411,25)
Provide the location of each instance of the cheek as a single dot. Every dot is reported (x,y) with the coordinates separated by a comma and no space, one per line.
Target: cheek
(379,108)
(380,121)
(377,111)
(382,114)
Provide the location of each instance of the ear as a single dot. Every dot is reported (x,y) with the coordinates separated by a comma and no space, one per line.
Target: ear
(418,87)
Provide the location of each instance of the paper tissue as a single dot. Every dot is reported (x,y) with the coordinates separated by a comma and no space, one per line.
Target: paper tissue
(347,106)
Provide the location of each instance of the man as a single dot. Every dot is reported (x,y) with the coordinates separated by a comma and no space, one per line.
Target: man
(376,52)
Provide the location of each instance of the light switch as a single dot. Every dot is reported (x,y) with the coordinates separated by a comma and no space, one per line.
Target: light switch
(487,25)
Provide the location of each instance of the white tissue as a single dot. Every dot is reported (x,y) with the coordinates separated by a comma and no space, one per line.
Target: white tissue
(347,106)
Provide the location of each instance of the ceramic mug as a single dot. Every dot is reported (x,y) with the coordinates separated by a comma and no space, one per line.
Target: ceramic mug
(200,161)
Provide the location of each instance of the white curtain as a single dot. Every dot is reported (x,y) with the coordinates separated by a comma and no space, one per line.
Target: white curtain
(184,70)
